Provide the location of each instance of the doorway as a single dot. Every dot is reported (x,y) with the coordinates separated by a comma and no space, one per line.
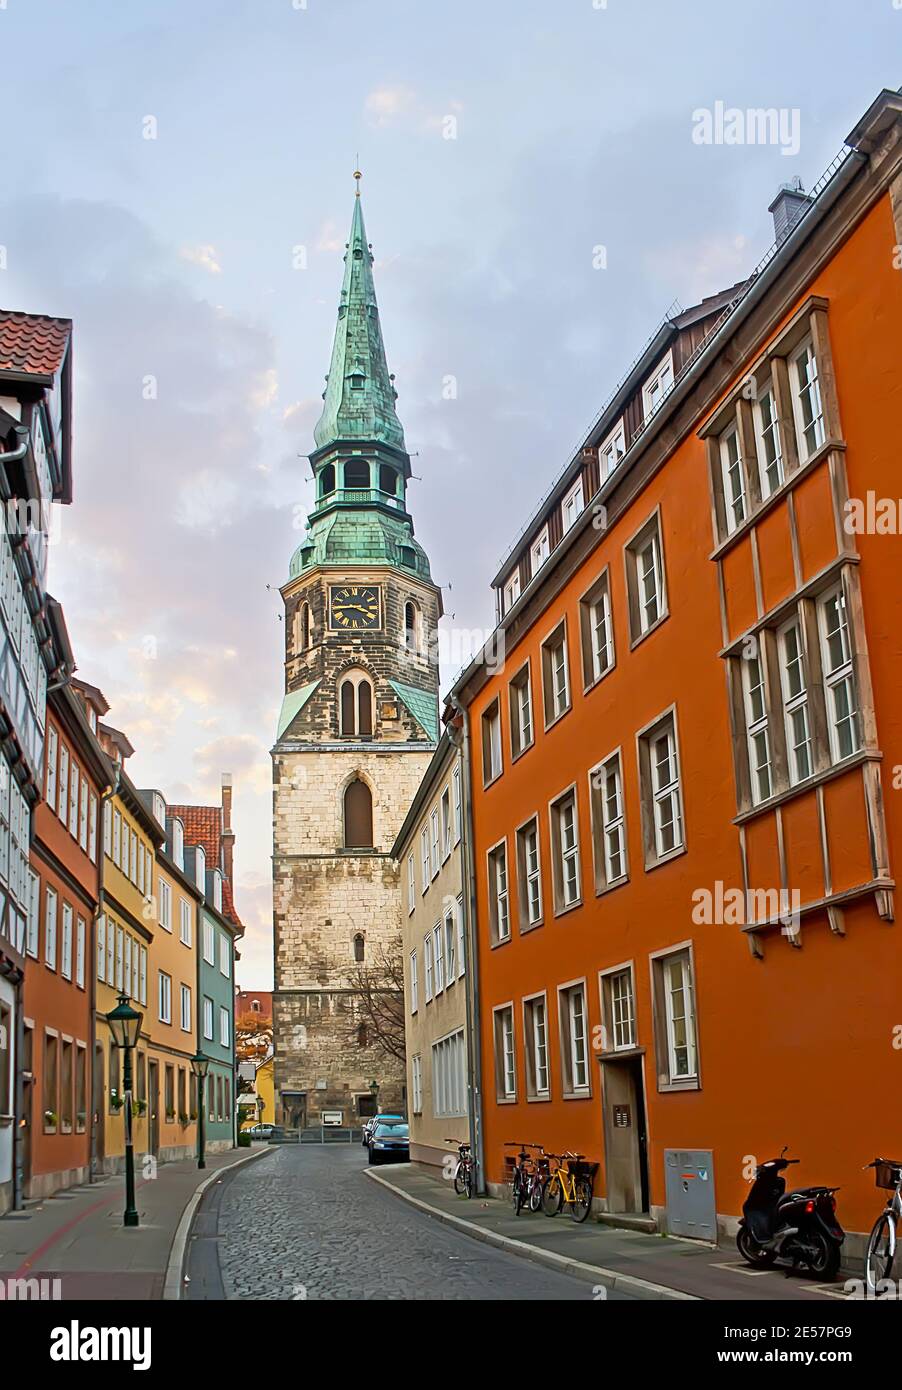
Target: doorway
(153,1108)
(98,1134)
(625,1133)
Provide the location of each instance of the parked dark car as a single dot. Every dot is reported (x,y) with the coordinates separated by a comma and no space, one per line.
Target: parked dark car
(390,1143)
(261,1131)
(374,1120)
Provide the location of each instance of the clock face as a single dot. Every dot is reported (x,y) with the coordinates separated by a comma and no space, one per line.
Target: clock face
(354,607)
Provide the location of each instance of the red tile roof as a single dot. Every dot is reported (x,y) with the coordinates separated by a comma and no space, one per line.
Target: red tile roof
(203,826)
(32,344)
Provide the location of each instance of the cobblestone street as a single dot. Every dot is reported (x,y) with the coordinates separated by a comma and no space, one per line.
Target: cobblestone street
(306,1221)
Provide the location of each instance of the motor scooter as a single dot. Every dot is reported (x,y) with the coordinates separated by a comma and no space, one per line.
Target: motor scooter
(800,1225)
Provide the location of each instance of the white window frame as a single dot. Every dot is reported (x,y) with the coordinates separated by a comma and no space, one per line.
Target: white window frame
(186,935)
(769,440)
(611,450)
(683,961)
(416,1076)
(757,725)
(807,398)
(424,857)
(208,1018)
(535,1035)
(225,955)
(512,590)
(209,942)
(434,842)
(528,843)
(839,677)
(457,801)
(225,1028)
(669,791)
(411,884)
(657,386)
(794,686)
(601,632)
(81,941)
(450,930)
(735,503)
(646,597)
(573,505)
(50,919)
(429,978)
(438,958)
(185,1008)
(499,892)
(539,551)
(165,905)
(164,996)
(575,1042)
(622,1009)
(66,943)
(414,982)
(505,1049)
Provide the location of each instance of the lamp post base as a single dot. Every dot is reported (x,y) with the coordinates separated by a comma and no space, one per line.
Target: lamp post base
(130,1218)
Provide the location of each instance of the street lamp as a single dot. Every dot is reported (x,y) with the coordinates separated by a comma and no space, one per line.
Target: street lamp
(125,1026)
(200,1065)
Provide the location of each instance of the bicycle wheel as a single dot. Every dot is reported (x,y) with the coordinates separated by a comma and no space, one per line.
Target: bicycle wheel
(516,1191)
(582,1200)
(460,1186)
(536,1193)
(552,1197)
(878,1262)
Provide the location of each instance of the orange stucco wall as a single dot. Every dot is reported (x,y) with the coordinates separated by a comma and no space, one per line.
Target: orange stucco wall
(795,1048)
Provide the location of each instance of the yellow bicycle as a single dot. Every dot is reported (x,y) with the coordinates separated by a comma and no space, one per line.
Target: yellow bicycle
(569,1185)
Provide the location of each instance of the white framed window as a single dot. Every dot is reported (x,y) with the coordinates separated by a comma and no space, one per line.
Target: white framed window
(539,551)
(795,701)
(414,983)
(839,677)
(209,943)
(108,829)
(806,399)
(52,755)
(521,711)
(555,675)
(461,938)
(427,961)
(535,1023)
(424,856)
(565,851)
(512,590)
(770,447)
(32,940)
(117,838)
(165,905)
(66,952)
(185,932)
(434,841)
(458,805)
(178,844)
(505,1056)
(499,907)
(50,901)
(756,726)
(101,947)
(224,1027)
(611,450)
(529,870)
(83,814)
(63,803)
(120,959)
(185,1008)
(446,823)
(81,937)
(572,505)
(110,952)
(141,871)
(148,873)
(411,885)
(679,1007)
(491,742)
(574,1030)
(596,630)
(608,822)
(657,386)
(623,1011)
(133,858)
(438,957)
(208,1018)
(164,996)
(450,946)
(733,481)
(92,827)
(449,1084)
(666,792)
(416,1076)
(650,582)
(225,955)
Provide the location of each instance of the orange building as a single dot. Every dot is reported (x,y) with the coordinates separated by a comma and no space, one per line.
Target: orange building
(684,811)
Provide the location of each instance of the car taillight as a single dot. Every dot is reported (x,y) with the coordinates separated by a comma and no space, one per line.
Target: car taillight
(809,1206)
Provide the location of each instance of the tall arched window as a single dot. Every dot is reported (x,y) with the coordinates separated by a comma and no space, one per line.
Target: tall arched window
(358,947)
(356,705)
(357,473)
(327,480)
(388,479)
(411,626)
(358,817)
(303,627)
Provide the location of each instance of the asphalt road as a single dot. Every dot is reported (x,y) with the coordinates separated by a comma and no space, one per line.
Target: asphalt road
(304,1222)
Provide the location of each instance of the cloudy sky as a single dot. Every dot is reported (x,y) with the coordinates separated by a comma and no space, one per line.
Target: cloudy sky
(177,180)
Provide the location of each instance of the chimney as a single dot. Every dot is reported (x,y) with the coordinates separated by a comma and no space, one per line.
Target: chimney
(788,206)
(228,834)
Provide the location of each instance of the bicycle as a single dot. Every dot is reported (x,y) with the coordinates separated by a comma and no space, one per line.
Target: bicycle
(881,1251)
(570,1186)
(464,1173)
(537,1180)
(519,1184)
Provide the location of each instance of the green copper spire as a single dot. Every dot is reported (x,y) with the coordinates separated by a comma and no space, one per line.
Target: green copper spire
(359,400)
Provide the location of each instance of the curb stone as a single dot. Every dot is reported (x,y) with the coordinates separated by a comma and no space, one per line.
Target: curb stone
(172,1288)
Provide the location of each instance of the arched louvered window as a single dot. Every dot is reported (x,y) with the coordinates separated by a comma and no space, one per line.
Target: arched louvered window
(356,705)
(327,480)
(411,626)
(358,816)
(357,473)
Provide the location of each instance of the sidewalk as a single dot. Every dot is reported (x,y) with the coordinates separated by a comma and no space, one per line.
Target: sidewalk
(648,1265)
(77,1236)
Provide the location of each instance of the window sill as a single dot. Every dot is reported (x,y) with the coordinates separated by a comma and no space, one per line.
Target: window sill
(505,1100)
(817,779)
(492,780)
(550,723)
(515,757)
(610,887)
(502,941)
(691,1083)
(538,1100)
(621,1054)
(526,927)
(640,637)
(571,907)
(659,860)
(584,1094)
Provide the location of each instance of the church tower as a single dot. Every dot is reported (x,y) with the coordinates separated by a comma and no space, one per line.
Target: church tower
(357,728)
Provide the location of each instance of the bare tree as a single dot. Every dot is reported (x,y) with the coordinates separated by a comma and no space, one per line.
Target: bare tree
(378,1019)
